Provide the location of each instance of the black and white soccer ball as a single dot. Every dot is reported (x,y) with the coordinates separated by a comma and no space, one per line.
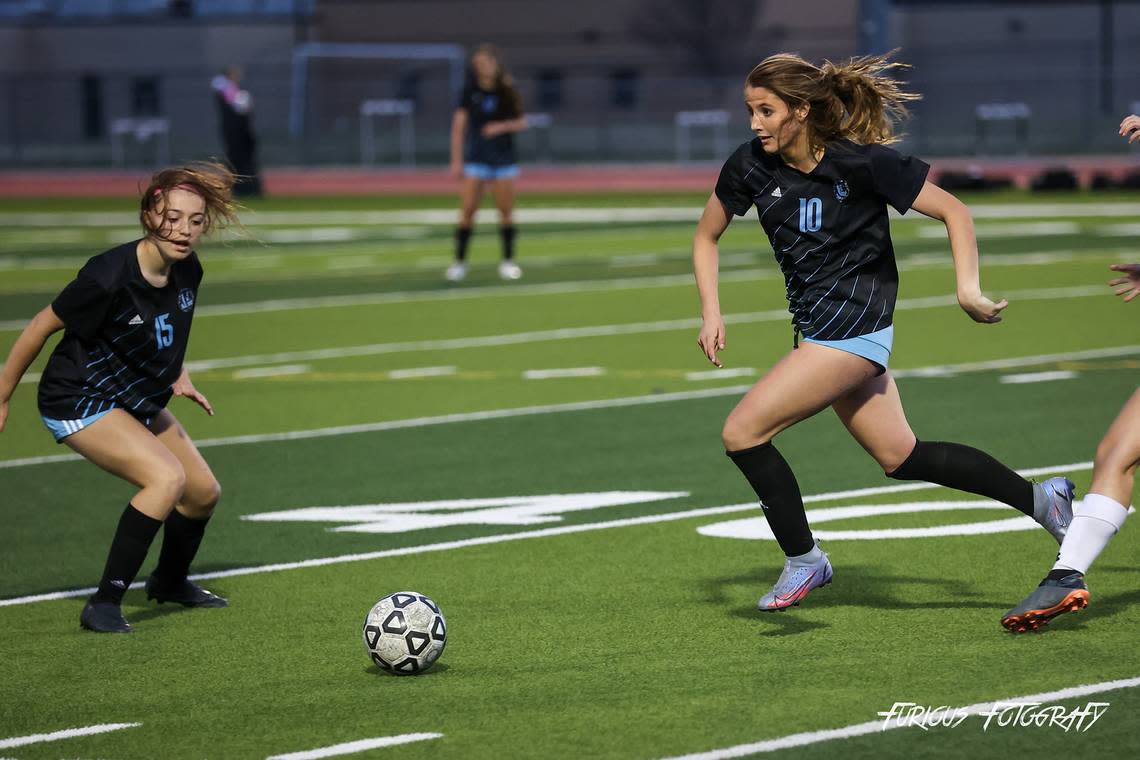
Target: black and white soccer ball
(405,633)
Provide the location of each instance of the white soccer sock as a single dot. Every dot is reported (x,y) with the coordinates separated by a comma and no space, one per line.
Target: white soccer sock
(1095,520)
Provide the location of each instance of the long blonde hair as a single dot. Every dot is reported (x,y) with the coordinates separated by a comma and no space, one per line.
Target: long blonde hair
(858,100)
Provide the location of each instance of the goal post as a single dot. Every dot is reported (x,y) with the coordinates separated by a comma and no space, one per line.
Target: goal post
(451,55)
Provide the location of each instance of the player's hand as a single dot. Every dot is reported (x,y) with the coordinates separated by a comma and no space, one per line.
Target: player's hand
(711,338)
(456,169)
(1131,283)
(1130,128)
(183,387)
(982,309)
(492,129)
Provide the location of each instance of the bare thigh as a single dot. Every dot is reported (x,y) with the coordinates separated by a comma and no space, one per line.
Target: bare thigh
(470,193)
(1118,454)
(873,413)
(202,491)
(503,190)
(806,380)
(124,447)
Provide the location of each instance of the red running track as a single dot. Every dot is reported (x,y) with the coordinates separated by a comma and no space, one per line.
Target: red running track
(584,178)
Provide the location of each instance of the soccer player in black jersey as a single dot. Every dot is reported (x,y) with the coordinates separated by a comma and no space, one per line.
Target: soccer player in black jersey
(483,153)
(820,178)
(126,321)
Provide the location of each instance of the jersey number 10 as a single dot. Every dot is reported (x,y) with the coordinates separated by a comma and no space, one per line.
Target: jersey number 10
(811,214)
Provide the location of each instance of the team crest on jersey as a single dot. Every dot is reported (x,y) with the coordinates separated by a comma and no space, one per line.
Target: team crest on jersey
(841,190)
(186,299)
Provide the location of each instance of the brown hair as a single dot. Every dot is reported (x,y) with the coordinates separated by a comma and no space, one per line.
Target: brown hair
(858,100)
(504,85)
(211,180)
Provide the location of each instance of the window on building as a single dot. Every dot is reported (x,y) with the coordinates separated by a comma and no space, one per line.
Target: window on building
(144,97)
(91,98)
(624,84)
(549,89)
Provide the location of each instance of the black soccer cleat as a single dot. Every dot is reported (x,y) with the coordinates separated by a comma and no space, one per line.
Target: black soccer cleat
(187,593)
(104,617)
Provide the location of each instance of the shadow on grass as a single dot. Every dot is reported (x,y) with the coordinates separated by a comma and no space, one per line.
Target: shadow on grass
(855,586)
(437,669)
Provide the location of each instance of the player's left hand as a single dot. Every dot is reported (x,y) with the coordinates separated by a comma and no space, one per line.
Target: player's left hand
(183,387)
(492,129)
(1131,280)
(1130,128)
(982,309)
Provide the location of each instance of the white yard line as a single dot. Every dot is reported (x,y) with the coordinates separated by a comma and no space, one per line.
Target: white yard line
(1038,377)
(282,369)
(351,748)
(540,533)
(942,370)
(877,726)
(937,260)
(413,372)
(69,733)
(590,331)
(548,374)
(720,374)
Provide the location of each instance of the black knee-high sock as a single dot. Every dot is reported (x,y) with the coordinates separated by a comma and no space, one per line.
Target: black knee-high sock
(967,469)
(181,538)
(462,238)
(507,233)
(132,541)
(775,484)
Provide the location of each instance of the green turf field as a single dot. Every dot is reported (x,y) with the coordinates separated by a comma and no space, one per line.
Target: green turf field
(620,622)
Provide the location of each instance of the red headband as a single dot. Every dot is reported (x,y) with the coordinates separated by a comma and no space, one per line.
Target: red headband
(188,188)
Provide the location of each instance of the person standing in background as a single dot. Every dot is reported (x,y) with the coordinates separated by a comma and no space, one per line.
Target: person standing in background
(488,114)
(235,111)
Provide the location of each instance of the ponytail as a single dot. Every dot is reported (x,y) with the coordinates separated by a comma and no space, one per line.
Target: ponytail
(858,100)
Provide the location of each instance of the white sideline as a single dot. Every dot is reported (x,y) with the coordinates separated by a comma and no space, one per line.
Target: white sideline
(877,726)
(941,370)
(540,533)
(916,261)
(351,748)
(587,331)
(69,733)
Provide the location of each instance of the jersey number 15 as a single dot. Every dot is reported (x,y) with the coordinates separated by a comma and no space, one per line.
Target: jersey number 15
(163,331)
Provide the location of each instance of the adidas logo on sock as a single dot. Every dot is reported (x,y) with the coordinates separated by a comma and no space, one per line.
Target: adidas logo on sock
(135,320)
(119,584)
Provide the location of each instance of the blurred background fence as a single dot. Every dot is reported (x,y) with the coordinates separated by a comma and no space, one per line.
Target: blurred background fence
(607,76)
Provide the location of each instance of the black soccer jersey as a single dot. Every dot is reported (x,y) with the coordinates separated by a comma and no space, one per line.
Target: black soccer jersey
(483,106)
(124,340)
(829,229)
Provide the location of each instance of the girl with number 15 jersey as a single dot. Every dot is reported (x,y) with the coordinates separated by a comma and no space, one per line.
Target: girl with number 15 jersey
(126,319)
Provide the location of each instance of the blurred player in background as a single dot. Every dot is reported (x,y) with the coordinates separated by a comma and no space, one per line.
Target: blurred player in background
(483,153)
(126,320)
(235,113)
(1100,515)
(820,178)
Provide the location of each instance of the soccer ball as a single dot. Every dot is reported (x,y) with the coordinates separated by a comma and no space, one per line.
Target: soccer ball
(405,633)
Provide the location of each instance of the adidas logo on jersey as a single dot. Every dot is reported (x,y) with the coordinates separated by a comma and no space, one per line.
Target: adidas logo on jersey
(135,320)
(777,194)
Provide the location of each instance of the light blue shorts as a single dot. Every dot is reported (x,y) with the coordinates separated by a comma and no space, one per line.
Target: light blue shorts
(875,347)
(486,171)
(63,428)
